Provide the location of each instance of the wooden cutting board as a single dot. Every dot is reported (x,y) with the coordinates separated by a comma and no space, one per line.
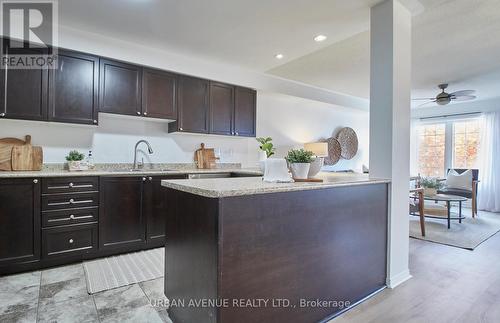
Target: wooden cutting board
(205,157)
(6,145)
(27,157)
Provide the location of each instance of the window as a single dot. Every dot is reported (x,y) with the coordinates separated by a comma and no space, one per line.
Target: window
(431,157)
(465,144)
(450,144)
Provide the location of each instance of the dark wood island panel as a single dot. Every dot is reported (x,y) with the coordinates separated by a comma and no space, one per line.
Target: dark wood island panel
(326,244)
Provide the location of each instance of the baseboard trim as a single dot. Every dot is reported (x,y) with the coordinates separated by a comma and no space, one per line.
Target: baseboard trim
(331,317)
(396,280)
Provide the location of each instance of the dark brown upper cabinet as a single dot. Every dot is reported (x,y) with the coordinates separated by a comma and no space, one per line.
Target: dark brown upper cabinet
(221,108)
(73,88)
(245,112)
(192,106)
(120,88)
(23,92)
(20,221)
(159,94)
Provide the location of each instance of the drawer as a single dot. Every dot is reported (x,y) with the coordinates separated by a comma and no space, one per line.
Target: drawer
(56,185)
(70,216)
(69,240)
(67,201)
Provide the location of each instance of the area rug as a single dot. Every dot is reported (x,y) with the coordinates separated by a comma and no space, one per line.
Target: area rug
(468,235)
(117,271)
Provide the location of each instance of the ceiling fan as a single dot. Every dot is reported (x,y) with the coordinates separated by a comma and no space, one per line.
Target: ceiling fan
(444,98)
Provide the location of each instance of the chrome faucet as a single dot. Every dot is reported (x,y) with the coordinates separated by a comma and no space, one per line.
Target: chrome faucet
(141,164)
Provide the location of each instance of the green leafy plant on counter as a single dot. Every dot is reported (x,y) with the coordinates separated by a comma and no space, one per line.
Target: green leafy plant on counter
(75,155)
(266,145)
(430,182)
(295,156)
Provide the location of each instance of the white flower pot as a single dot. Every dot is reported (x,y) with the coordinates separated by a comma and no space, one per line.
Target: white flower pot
(300,170)
(74,166)
(262,160)
(315,167)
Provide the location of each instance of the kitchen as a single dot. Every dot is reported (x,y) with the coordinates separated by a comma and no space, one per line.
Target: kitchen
(107,98)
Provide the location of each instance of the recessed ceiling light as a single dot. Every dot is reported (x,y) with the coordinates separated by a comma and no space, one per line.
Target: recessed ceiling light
(319,38)
(279,56)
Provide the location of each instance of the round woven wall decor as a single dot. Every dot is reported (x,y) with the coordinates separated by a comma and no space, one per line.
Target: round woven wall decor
(333,151)
(348,142)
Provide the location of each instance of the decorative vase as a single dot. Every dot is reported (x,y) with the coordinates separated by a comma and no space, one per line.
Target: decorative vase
(300,170)
(262,160)
(315,167)
(430,191)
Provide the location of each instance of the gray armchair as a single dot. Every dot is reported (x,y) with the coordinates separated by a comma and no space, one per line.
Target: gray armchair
(469,194)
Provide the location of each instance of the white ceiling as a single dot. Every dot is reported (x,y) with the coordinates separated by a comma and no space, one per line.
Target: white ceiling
(454,42)
(239,32)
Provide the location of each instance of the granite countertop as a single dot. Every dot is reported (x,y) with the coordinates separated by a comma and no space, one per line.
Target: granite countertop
(225,187)
(59,172)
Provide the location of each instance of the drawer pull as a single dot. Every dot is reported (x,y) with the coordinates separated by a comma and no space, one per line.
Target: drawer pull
(70,185)
(70,241)
(72,216)
(71,201)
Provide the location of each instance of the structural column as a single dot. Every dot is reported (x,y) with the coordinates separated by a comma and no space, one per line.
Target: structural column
(390,84)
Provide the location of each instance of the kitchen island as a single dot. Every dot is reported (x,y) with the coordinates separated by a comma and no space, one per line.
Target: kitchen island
(242,250)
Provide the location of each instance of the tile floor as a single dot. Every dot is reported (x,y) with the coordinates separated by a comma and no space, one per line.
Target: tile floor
(60,295)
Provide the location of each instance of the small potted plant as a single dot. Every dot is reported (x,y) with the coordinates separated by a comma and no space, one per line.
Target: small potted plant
(431,185)
(299,161)
(266,150)
(74,160)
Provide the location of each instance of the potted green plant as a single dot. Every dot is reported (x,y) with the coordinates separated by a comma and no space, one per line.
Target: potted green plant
(299,161)
(431,185)
(74,160)
(266,150)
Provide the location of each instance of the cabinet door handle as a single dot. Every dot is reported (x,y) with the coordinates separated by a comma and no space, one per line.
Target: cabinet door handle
(150,178)
(181,129)
(2,114)
(35,181)
(145,113)
(138,113)
(71,201)
(71,184)
(95,121)
(237,133)
(71,241)
(144,179)
(72,216)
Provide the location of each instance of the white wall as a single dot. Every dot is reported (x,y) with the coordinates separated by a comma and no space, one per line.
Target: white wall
(292,121)
(289,120)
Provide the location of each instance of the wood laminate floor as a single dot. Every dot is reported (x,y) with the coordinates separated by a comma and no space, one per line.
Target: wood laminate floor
(449,284)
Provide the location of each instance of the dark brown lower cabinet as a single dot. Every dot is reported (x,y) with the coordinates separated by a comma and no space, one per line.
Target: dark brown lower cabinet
(121,220)
(69,240)
(56,221)
(155,209)
(19,221)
